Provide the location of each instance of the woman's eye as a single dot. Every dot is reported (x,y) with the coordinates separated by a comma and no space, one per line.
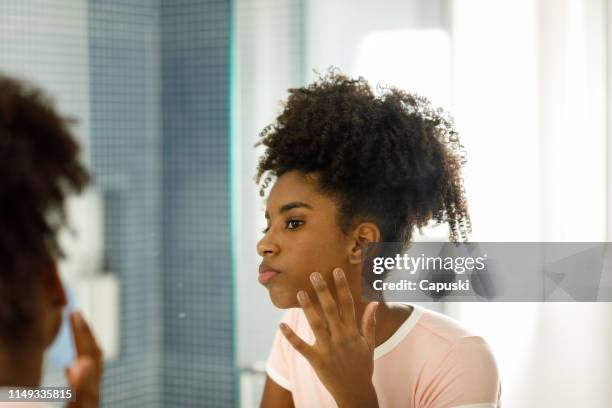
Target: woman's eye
(265,230)
(293,224)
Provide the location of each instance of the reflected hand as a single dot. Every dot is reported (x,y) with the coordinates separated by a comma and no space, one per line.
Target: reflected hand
(85,373)
(342,355)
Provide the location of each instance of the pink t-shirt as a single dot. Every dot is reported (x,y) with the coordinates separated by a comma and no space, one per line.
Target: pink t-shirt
(429,362)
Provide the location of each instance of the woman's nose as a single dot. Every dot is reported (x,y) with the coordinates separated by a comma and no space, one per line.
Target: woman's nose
(266,246)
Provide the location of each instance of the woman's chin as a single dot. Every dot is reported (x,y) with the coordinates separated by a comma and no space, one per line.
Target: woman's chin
(283,299)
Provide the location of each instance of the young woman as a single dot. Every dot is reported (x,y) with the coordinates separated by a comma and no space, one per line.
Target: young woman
(353,168)
(39,167)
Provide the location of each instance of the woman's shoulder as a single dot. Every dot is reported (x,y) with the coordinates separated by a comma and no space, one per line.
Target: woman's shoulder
(436,335)
(438,344)
(442,326)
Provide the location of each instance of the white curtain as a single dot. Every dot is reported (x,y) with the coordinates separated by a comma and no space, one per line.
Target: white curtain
(530,100)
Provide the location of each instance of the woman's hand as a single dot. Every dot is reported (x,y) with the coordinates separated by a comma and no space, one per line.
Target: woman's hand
(85,374)
(343,354)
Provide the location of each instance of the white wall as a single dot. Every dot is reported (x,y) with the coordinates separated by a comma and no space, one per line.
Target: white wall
(47,43)
(402,43)
(267,59)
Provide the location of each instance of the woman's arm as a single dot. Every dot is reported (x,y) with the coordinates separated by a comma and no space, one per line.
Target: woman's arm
(275,396)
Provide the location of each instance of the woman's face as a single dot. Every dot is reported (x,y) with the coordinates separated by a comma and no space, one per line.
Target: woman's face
(302,237)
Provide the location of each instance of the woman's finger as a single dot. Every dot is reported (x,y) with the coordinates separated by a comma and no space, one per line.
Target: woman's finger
(81,374)
(84,380)
(84,340)
(315,320)
(345,300)
(327,302)
(368,324)
(300,345)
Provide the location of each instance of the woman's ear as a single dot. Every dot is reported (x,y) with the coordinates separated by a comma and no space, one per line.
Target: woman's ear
(53,309)
(364,234)
(55,288)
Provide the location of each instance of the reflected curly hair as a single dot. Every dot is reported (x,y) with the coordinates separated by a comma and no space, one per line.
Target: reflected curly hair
(39,166)
(389,158)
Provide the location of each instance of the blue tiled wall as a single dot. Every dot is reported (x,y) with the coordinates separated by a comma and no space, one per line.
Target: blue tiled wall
(198,320)
(127,165)
(159,82)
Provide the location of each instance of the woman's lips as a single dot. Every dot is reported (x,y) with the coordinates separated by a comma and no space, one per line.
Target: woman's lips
(266,273)
(265,277)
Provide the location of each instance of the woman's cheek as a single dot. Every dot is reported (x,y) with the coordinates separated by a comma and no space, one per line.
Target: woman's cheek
(313,252)
(304,249)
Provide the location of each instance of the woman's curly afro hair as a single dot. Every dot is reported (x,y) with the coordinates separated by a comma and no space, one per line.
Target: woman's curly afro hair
(39,167)
(389,158)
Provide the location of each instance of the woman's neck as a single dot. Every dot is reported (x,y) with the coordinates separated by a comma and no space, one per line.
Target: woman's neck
(20,366)
(389,316)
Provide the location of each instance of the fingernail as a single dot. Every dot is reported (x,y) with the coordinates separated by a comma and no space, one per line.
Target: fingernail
(78,319)
(283,326)
(315,278)
(338,273)
(302,297)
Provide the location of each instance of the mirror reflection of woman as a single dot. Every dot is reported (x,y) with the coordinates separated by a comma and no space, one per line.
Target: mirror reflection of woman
(40,166)
(351,167)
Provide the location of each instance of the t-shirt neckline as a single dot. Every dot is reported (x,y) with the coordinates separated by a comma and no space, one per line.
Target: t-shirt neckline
(400,334)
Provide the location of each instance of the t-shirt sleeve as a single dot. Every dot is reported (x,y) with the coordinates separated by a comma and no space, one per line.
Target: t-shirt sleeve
(277,366)
(466,377)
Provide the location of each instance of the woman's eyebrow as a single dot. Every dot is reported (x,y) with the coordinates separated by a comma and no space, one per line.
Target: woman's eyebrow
(291,206)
